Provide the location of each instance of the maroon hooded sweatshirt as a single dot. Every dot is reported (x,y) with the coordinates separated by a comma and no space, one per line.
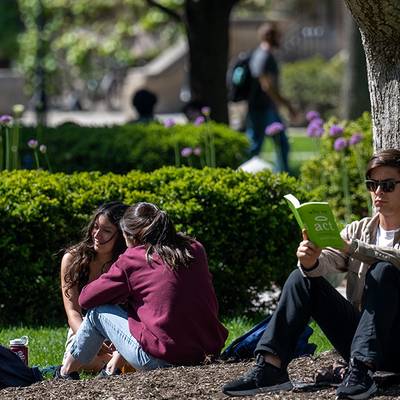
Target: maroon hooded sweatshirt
(172,314)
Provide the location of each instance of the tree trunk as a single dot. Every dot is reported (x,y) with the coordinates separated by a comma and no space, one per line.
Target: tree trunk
(207,24)
(378,21)
(355,93)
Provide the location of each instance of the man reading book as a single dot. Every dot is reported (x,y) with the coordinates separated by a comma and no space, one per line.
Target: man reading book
(365,327)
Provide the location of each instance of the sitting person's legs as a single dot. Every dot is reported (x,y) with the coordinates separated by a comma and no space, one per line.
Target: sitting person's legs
(301,299)
(107,322)
(375,344)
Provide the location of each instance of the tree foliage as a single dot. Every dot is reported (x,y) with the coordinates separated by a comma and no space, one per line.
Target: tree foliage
(81,38)
(10,27)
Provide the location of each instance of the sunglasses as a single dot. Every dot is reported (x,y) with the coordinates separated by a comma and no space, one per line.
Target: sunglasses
(386,186)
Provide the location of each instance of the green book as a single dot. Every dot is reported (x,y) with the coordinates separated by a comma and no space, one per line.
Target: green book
(317,218)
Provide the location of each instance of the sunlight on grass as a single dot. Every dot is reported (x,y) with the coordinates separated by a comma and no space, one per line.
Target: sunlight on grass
(46,345)
(319,338)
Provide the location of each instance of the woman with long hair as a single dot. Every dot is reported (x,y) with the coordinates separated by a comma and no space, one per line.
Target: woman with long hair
(171,316)
(84,262)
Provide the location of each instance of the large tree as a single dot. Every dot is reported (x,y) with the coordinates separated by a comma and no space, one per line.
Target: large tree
(378,21)
(206,24)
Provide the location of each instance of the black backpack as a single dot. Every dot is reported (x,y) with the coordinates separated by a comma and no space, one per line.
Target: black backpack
(14,372)
(239,78)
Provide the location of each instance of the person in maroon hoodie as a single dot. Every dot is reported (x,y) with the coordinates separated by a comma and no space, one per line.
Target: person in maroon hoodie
(156,304)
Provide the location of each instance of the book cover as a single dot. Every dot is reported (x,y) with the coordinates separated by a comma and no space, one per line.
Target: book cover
(317,218)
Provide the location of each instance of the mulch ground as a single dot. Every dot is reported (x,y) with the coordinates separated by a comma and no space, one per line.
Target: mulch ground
(202,382)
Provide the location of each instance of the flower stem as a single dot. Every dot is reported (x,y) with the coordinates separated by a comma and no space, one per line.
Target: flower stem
(35,152)
(8,149)
(212,150)
(1,150)
(14,146)
(48,162)
(346,193)
(361,169)
(177,155)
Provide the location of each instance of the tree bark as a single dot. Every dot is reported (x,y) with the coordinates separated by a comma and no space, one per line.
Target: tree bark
(355,93)
(207,25)
(378,21)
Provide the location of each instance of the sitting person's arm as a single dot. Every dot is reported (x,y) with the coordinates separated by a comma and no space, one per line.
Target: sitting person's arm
(111,287)
(70,300)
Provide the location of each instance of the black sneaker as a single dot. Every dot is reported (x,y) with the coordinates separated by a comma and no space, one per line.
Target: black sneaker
(262,378)
(73,376)
(358,383)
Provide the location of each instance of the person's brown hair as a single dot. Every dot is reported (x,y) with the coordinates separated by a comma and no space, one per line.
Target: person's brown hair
(268,32)
(83,253)
(145,224)
(383,158)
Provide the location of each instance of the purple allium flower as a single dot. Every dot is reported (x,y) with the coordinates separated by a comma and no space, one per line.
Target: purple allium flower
(340,144)
(315,128)
(199,120)
(274,128)
(311,115)
(169,122)
(335,130)
(6,119)
(206,111)
(355,138)
(33,143)
(186,152)
(197,151)
(43,148)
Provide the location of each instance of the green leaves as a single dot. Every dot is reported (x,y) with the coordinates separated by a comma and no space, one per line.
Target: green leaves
(123,148)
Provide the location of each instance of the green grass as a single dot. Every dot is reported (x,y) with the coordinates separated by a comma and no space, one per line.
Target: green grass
(46,344)
(302,148)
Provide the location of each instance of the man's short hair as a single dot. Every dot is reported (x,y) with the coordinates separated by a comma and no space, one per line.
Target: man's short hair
(268,32)
(384,158)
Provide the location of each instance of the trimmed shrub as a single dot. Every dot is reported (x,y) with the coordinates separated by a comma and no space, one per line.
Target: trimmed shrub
(314,84)
(145,147)
(322,177)
(242,220)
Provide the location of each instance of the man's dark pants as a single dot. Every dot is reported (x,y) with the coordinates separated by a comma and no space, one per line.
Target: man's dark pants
(371,335)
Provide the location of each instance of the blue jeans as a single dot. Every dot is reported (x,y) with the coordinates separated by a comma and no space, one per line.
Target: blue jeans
(257,121)
(111,322)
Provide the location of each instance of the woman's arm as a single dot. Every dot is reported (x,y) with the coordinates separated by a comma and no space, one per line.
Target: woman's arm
(71,305)
(112,287)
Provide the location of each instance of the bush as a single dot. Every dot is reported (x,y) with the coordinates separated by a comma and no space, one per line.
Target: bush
(314,84)
(246,227)
(323,176)
(120,149)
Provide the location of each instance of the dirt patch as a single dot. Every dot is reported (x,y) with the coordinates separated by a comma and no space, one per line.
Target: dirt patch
(202,382)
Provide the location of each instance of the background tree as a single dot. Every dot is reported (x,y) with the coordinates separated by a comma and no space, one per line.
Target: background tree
(355,93)
(206,24)
(10,27)
(378,21)
(85,41)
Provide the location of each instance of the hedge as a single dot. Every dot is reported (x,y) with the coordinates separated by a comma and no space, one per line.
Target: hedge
(244,223)
(145,147)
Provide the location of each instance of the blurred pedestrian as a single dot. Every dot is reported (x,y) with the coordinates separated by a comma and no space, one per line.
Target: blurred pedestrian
(265,98)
